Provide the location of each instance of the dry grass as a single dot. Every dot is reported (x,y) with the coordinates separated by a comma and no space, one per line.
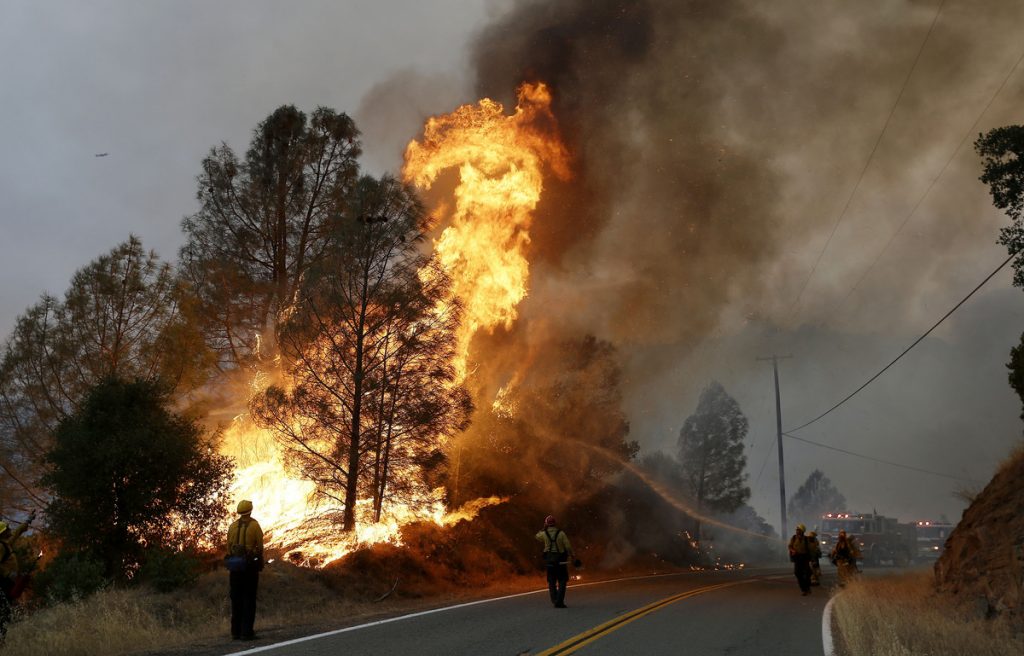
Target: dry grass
(292,602)
(1012,458)
(435,567)
(903,616)
(123,621)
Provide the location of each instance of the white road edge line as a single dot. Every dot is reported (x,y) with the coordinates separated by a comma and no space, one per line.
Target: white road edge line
(826,628)
(315,636)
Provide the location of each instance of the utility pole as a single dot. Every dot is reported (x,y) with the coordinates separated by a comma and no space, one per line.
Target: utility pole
(778,432)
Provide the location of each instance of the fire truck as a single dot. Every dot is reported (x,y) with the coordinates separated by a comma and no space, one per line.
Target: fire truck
(881,540)
(931,539)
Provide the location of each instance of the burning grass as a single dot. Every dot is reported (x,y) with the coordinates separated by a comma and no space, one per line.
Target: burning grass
(903,615)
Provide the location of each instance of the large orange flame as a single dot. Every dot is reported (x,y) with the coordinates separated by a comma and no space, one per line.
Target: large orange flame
(501,161)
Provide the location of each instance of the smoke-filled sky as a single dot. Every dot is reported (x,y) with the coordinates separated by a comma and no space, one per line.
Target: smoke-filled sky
(717,143)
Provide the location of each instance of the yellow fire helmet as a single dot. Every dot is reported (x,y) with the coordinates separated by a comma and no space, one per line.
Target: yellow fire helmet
(812,534)
(244,507)
(801,528)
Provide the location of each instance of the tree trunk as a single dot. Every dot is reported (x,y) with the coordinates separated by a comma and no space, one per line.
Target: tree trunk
(389,422)
(382,419)
(352,484)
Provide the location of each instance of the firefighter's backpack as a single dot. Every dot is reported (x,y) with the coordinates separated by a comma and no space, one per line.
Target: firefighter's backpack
(552,556)
(237,559)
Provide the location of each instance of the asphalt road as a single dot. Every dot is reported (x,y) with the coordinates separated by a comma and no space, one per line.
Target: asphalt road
(754,612)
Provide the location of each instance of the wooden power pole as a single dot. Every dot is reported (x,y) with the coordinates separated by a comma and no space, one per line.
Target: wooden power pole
(778,433)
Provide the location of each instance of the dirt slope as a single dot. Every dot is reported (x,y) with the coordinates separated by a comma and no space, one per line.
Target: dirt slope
(984,558)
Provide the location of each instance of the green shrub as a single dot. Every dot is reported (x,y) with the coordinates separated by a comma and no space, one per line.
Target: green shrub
(70,577)
(168,570)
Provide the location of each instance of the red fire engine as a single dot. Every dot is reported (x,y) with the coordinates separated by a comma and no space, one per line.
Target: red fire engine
(881,540)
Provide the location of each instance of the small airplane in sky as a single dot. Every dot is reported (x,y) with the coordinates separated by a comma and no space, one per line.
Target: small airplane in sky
(101,154)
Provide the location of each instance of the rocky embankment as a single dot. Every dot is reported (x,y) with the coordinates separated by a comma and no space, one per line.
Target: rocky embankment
(983,562)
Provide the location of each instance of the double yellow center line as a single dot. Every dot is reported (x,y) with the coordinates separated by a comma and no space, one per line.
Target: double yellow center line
(587,637)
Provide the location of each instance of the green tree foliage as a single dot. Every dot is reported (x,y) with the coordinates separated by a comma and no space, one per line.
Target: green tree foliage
(747,518)
(368,347)
(124,314)
(127,474)
(814,498)
(264,221)
(1002,154)
(70,577)
(711,452)
(1016,367)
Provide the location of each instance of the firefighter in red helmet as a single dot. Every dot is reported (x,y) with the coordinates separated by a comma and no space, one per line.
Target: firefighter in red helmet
(557,553)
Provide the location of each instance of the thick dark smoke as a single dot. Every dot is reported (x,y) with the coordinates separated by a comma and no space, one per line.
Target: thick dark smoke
(716,144)
(665,216)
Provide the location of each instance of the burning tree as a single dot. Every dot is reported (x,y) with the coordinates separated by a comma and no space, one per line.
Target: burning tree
(562,423)
(368,346)
(264,221)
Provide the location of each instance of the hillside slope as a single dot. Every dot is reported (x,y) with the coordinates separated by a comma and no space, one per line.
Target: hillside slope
(984,558)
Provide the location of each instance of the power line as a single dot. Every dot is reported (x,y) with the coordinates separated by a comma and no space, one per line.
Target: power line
(935,180)
(761,471)
(880,460)
(871,156)
(907,350)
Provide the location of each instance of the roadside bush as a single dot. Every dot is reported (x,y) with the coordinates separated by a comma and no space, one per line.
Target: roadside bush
(167,570)
(125,438)
(70,577)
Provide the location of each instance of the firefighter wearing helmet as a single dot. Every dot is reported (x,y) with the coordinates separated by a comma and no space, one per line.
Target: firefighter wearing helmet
(844,556)
(815,545)
(800,555)
(557,553)
(244,562)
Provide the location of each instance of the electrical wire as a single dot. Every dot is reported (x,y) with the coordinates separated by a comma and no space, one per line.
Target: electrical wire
(913,211)
(907,350)
(761,471)
(880,460)
(871,156)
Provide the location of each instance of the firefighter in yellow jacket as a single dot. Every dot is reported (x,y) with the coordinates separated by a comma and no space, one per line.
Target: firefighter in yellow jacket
(815,554)
(244,562)
(800,556)
(557,552)
(9,569)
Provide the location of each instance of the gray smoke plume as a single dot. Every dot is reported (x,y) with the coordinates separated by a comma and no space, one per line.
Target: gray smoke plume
(716,145)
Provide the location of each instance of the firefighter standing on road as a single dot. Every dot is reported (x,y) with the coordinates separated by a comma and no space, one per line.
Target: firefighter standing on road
(245,561)
(844,556)
(800,555)
(557,552)
(9,569)
(815,545)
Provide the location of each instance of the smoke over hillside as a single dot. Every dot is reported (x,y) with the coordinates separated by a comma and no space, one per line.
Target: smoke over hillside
(716,145)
